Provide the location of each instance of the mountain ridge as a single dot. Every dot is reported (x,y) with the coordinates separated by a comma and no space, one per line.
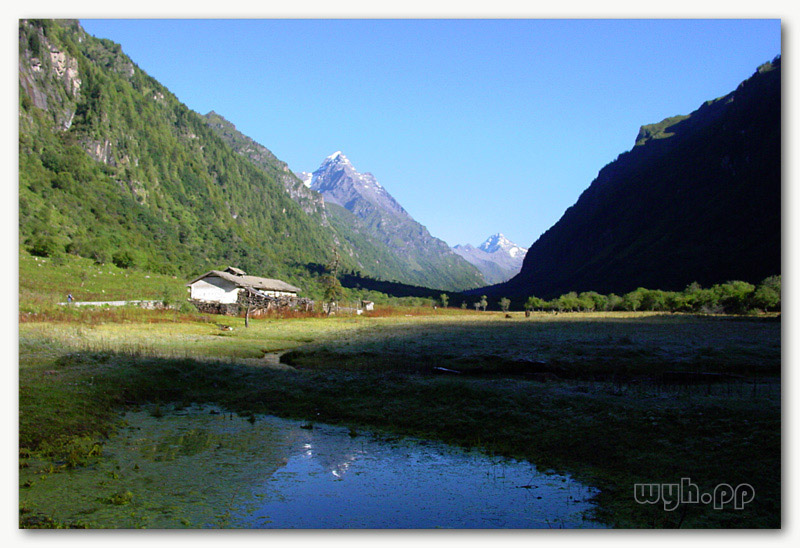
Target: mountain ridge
(311,202)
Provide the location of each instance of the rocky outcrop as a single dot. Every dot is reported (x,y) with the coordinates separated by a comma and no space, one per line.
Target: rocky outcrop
(48,75)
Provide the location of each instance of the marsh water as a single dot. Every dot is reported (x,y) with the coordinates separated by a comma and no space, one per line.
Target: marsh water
(202,467)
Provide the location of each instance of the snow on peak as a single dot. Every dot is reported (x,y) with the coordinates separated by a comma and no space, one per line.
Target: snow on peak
(497,242)
(369,178)
(335,161)
(336,158)
(306,177)
(516,251)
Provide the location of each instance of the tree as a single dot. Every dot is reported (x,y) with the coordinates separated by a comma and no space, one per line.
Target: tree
(633,301)
(44,246)
(445,299)
(615,302)
(333,290)
(534,303)
(706,301)
(592,300)
(653,299)
(247,298)
(484,303)
(504,304)
(734,296)
(463,305)
(568,301)
(125,259)
(692,296)
(767,295)
(676,301)
(477,305)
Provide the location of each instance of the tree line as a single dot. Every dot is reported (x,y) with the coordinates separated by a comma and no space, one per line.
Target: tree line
(733,297)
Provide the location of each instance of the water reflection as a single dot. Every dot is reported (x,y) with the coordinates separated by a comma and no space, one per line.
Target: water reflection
(201,468)
(340,482)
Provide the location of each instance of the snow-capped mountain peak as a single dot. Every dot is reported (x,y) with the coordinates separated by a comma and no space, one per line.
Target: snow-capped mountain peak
(340,182)
(398,243)
(498,242)
(498,258)
(336,159)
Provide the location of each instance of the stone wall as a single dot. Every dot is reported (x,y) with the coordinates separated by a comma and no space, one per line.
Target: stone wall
(227,309)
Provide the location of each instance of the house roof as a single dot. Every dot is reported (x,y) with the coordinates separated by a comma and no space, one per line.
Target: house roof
(236,271)
(254,282)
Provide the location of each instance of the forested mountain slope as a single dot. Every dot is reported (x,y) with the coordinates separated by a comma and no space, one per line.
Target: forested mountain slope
(114,167)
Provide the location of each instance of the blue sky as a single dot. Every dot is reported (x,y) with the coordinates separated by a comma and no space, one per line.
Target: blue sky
(475,126)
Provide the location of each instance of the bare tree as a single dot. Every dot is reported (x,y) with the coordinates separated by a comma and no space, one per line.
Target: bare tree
(248,299)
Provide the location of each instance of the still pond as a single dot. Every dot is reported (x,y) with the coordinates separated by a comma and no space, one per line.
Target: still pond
(201,467)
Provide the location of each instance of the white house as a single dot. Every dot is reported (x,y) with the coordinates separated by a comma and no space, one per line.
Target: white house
(223,286)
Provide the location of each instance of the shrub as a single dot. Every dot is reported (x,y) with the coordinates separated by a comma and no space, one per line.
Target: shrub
(187,307)
(124,259)
(45,246)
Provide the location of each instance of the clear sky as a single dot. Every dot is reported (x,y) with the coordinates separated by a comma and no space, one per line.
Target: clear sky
(474,126)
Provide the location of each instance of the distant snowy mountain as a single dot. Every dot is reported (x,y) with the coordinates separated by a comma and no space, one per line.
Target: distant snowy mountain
(498,242)
(369,217)
(498,258)
(340,183)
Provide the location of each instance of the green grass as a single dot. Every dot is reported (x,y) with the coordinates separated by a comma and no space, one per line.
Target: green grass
(175,335)
(43,282)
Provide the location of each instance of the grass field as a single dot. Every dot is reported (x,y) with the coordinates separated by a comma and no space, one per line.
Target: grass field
(43,282)
(614,398)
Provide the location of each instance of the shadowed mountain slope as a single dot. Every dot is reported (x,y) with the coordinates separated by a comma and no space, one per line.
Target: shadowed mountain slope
(698,198)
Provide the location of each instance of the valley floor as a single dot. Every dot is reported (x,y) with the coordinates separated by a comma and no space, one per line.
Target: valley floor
(615,399)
